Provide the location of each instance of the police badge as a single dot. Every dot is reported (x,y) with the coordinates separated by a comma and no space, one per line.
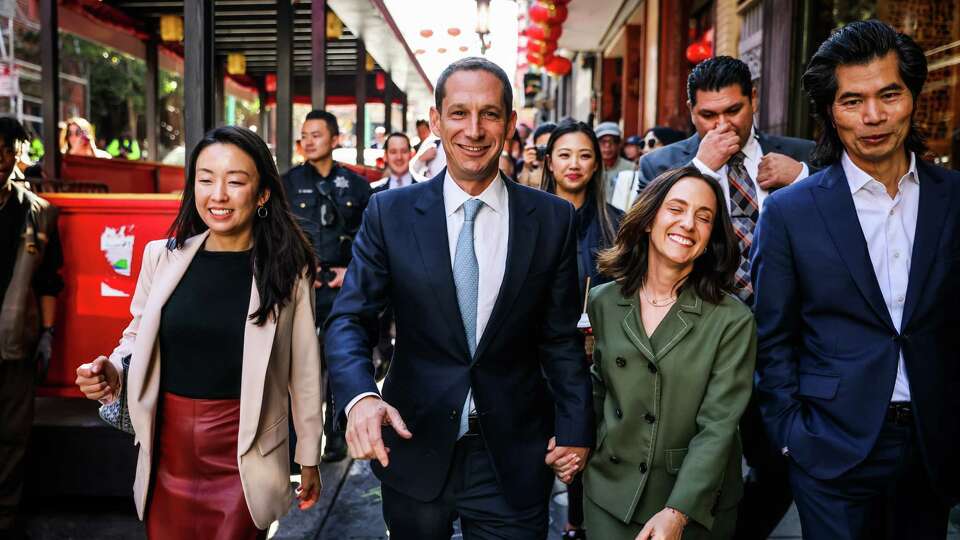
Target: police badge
(341,182)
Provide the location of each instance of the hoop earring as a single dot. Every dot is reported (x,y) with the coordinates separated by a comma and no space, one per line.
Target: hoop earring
(262,211)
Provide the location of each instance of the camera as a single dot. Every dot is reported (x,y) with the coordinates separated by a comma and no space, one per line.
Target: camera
(541,152)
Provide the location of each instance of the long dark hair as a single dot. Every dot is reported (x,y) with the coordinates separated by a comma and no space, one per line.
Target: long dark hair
(281,252)
(626,261)
(596,187)
(859,43)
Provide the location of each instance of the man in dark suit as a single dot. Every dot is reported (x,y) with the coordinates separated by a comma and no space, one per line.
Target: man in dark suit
(397,155)
(488,387)
(855,275)
(749,165)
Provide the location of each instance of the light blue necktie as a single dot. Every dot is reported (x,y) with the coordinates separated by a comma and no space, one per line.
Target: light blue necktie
(466,277)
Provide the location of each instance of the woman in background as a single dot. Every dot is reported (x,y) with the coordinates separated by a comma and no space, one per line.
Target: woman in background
(573,172)
(78,138)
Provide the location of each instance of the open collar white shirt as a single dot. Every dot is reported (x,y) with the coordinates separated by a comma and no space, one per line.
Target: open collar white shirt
(889,225)
(400,181)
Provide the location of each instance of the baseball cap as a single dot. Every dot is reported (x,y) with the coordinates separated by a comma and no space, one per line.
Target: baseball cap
(634,140)
(609,128)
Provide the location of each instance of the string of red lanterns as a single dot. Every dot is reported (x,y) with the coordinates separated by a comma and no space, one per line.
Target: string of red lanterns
(546,18)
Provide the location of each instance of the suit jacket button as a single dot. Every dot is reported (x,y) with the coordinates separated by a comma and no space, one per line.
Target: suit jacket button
(453,414)
(619,413)
(650,418)
(621,361)
(643,467)
(614,460)
(652,367)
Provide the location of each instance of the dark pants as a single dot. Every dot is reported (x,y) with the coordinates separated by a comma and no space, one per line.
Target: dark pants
(575,501)
(471,493)
(888,496)
(766,492)
(16,418)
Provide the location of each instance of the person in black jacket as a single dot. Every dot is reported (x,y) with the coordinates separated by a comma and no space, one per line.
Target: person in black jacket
(574,173)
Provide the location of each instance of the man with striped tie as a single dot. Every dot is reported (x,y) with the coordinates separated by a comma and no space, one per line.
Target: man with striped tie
(749,165)
(488,395)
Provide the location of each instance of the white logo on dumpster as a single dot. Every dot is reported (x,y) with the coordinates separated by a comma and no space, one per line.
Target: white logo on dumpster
(117,247)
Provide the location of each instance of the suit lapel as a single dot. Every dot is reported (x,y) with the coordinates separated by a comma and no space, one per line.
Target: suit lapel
(632,325)
(835,202)
(681,320)
(430,231)
(521,244)
(689,147)
(257,347)
(931,214)
(767,144)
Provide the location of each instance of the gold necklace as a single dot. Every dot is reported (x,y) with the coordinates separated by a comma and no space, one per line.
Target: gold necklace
(654,302)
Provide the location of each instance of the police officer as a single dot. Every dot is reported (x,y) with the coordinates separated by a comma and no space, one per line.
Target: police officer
(329,200)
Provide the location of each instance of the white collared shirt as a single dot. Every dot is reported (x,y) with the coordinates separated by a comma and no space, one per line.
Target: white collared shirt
(490,233)
(491,230)
(751,162)
(889,225)
(399,181)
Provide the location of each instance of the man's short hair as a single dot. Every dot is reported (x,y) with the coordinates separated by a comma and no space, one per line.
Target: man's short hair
(475,63)
(542,129)
(717,73)
(12,133)
(422,122)
(396,134)
(859,43)
(329,118)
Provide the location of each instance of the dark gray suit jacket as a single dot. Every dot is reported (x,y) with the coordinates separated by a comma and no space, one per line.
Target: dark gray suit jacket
(682,153)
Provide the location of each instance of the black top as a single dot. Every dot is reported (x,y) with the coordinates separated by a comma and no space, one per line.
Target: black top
(46,280)
(202,327)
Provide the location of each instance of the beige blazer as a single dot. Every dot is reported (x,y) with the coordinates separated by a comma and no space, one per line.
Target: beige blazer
(279,358)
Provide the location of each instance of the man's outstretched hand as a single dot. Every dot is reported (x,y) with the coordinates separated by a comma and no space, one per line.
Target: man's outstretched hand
(364,424)
(566,461)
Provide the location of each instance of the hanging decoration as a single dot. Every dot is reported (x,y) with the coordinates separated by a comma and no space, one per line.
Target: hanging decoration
(542,47)
(545,12)
(334,26)
(537,59)
(701,49)
(544,32)
(558,66)
(236,63)
(380,81)
(171,28)
(370,64)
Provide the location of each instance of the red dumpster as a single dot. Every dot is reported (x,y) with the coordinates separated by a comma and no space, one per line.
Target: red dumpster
(103,237)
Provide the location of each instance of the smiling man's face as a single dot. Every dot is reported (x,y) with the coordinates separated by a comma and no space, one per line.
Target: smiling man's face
(473,125)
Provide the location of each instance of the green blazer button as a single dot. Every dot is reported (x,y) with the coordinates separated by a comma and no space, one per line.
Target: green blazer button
(621,361)
(650,418)
(643,467)
(652,367)
(614,460)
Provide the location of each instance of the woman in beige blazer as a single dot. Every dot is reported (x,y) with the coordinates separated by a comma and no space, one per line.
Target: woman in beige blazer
(222,332)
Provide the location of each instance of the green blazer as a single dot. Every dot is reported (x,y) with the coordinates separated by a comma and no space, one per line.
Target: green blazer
(668,406)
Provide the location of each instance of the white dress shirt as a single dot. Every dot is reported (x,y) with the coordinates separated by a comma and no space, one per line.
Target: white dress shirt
(427,170)
(751,162)
(889,225)
(491,231)
(400,181)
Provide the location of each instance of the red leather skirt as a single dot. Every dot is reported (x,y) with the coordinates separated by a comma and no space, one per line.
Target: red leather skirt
(196,491)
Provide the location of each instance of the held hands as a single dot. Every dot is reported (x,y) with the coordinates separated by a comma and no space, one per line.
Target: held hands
(364,424)
(718,146)
(335,283)
(566,461)
(310,484)
(666,524)
(777,170)
(98,379)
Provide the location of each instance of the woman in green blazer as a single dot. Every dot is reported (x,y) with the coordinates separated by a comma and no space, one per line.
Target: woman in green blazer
(673,369)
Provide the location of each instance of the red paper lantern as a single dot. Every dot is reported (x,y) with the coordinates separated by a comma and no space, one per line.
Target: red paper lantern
(559,66)
(547,12)
(270,83)
(453,31)
(537,59)
(426,32)
(380,81)
(544,32)
(698,52)
(542,47)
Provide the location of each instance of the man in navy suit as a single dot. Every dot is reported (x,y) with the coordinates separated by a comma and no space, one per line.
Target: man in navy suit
(488,388)
(854,270)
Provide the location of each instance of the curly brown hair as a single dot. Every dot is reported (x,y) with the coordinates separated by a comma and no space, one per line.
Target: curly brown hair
(713,272)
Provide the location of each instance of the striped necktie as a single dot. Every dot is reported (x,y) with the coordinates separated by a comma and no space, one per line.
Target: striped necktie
(744,213)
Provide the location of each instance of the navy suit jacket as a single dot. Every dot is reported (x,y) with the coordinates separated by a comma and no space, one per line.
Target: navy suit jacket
(681,153)
(529,374)
(828,350)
